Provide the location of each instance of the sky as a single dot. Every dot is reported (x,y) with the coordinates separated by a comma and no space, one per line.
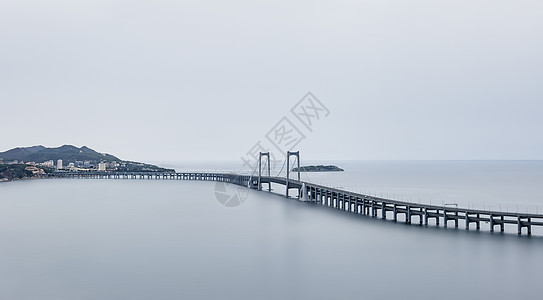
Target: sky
(209,80)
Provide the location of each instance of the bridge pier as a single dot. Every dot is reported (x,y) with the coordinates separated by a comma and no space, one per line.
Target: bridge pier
(527,224)
(425,216)
(491,223)
(456,219)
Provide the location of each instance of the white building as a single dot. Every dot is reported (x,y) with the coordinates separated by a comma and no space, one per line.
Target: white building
(48,163)
(59,164)
(102,166)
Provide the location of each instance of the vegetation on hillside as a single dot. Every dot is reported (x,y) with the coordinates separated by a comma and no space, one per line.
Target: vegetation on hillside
(319,168)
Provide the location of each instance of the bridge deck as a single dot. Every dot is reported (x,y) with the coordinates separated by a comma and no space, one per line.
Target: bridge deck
(343,200)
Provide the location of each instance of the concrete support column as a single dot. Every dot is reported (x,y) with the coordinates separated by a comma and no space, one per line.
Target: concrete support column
(319,198)
(478,222)
(395,212)
(492,222)
(519,225)
(408,215)
(467,221)
(356,205)
(425,216)
(444,217)
(383,210)
(502,225)
(456,220)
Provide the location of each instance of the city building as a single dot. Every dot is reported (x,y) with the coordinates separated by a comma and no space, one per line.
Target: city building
(59,164)
(48,163)
(102,166)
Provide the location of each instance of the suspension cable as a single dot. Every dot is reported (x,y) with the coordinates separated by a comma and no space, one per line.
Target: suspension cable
(284,163)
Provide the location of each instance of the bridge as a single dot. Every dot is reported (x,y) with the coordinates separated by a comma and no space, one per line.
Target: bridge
(376,207)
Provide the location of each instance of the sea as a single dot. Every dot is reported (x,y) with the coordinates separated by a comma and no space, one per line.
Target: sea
(172,239)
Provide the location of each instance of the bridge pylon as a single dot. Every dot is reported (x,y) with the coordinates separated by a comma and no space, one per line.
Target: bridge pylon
(297,155)
(267,155)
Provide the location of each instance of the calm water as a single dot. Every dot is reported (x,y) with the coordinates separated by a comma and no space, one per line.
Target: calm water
(147,239)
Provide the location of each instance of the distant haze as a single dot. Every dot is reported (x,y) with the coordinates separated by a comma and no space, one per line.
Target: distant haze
(206,80)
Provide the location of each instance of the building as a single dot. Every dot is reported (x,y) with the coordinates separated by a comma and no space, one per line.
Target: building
(34,170)
(102,166)
(59,164)
(48,163)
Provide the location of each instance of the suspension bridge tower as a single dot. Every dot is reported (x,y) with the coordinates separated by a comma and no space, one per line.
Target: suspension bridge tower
(267,155)
(297,156)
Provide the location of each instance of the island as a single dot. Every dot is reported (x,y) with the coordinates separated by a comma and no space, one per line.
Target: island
(29,162)
(319,168)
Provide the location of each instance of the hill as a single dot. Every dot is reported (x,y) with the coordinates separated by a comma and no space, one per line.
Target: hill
(67,153)
(71,154)
(319,168)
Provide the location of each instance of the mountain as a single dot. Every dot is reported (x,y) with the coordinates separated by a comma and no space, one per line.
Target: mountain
(67,153)
(20,152)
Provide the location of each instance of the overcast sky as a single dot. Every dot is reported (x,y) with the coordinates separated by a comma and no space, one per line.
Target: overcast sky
(206,80)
